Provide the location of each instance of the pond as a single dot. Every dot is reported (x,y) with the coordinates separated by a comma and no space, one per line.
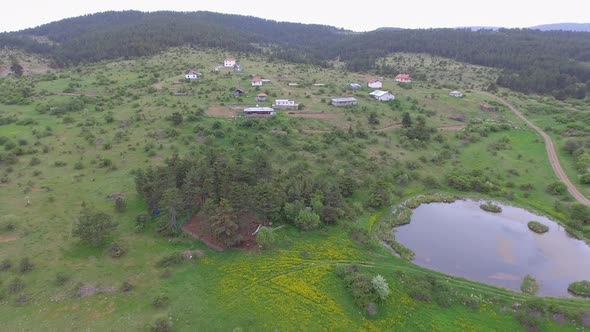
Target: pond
(462,240)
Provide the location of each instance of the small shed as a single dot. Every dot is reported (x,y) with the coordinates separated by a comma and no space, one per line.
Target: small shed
(238,92)
(285,104)
(261,97)
(456,94)
(403,78)
(375,84)
(354,86)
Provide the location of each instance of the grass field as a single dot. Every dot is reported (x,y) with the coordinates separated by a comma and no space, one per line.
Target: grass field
(86,156)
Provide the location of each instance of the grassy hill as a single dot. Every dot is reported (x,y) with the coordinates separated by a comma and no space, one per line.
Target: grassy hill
(72,137)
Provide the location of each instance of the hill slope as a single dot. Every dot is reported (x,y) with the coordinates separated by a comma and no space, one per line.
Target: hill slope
(563,26)
(552,62)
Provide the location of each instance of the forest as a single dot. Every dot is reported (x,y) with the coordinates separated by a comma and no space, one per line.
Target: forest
(532,61)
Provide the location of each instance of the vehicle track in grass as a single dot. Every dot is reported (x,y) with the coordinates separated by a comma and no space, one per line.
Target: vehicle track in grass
(551,152)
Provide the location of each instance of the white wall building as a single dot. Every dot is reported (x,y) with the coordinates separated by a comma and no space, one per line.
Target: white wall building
(375,84)
(382,95)
(229,62)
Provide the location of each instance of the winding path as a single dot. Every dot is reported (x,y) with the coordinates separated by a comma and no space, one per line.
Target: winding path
(550,147)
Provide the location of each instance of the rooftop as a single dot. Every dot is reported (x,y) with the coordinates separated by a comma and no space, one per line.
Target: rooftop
(378,93)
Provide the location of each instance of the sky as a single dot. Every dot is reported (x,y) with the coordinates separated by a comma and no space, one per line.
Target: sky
(349,14)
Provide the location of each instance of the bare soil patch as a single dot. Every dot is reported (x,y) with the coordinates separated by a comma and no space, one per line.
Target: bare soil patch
(6,239)
(199,228)
(220,112)
(320,116)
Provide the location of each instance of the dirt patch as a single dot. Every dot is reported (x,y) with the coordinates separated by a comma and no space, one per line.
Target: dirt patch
(200,139)
(452,128)
(321,116)
(88,290)
(190,254)
(115,196)
(220,112)
(6,239)
(199,228)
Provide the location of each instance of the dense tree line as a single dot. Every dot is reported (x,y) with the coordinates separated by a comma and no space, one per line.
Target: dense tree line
(225,185)
(548,62)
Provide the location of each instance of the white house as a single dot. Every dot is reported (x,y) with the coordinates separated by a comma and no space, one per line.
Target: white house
(375,84)
(256,81)
(285,104)
(192,75)
(382,95)
(229,62)
(403,78)
(457,94)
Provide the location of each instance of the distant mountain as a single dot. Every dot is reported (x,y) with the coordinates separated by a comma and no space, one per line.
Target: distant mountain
(585,27)
(388,29)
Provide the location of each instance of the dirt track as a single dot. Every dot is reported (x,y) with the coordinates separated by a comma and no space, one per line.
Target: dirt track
(390,127)
(550,147)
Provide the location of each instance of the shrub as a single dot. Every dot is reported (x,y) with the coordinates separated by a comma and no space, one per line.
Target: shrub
(530,320)
(25,265)
(381,287)
(116,250)
(141,220)
(61,279)
(162,325)
(16,286)
(580,288)
(537,227)
(529,285)
(5,265)
(556,188)
(120,204)
(266,238)
(126,286)
(170,260)
(307,220)
(160,301)
(93,227)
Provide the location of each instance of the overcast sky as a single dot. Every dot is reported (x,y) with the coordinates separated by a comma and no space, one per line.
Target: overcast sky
(350,14)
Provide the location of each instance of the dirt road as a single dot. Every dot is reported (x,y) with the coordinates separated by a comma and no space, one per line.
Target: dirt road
(550,147)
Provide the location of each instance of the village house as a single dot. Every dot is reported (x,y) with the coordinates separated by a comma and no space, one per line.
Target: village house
(192,75)
(375,84)
(259,111)
(457,94)
(293,84)
(403,78)
(382,95)
(354,86)
(261,97)
(487,107)
(229,62)
(256,81)
(238,92)
(344,101)
(285,104)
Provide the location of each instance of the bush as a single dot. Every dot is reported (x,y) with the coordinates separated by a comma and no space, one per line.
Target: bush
(537,227)
(61,279)
(381,287)
(126,286)
(141,220)
(120,204)
(266,238)
(116,250)
(580,288)
(93,227)
(16,286)
(530,320)
(5,265)
(529,285)
(162,325)
(25,265)
(161,301)
(556,188)
(307,220)
(170,260)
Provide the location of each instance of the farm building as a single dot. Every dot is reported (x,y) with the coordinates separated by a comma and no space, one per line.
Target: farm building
(229,62)
(354,86)
(261,97)
(375,84)
(457,94)
(293,84)
(487,107)
(192,75)
(382,95)
(285,104)
(256,81)
(403,78)
(259,111)
(344,101)
(238,92)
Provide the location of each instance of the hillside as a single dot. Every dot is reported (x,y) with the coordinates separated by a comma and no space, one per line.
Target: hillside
(177,166)
(585,27)
(532,61)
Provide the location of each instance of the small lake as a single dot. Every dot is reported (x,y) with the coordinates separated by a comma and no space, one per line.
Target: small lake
(460,239)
